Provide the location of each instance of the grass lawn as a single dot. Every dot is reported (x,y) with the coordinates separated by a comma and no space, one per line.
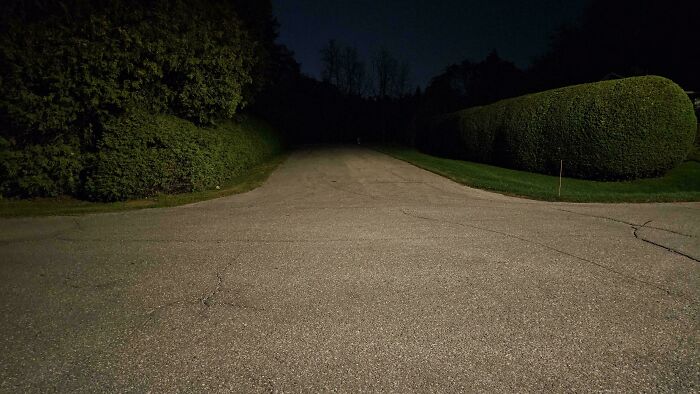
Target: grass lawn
(71,206)
(680,184)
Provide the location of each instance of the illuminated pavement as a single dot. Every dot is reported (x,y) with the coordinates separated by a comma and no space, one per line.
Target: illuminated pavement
(350,270)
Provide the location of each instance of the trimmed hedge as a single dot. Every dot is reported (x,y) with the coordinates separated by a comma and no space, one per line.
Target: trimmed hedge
(138,155)
(620,129)
(142,155)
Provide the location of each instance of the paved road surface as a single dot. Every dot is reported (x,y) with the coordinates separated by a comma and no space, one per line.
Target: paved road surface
(350,270)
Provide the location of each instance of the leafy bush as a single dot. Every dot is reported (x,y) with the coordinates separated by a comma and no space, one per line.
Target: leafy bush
(75,73)
(619,129)
(39,171)
(694,154)
(67,67)
(142,155)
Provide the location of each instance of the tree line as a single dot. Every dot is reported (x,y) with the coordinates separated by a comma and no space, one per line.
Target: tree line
(68,66)
(612,39)
(342,67)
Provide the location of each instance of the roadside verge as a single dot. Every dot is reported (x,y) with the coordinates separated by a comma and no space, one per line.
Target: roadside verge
(678,185)
(252,179)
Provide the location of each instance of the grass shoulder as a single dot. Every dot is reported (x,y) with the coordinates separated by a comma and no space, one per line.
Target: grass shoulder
(252,179)
(680,184)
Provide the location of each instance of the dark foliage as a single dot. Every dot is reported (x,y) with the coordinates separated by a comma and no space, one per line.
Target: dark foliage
(620,129)
(470,84)
(624,38)
(80,78)
(141,155)
(65,74)
(70,71)
(309,111)
(40,170)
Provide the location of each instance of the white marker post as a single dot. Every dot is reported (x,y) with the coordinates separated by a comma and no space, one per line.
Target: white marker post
(561,169)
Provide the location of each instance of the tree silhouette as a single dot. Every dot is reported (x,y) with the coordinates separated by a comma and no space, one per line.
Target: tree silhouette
(469,84)
(624,38)
(343,68)
(391,75)
(330,57)
(352,72)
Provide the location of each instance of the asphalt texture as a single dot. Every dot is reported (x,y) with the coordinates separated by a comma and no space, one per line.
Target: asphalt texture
(352,271)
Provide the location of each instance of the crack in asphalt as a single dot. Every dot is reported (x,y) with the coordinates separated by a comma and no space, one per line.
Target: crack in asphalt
(219,284)
(626,222)
(149,314)
(207,300)
(602,266)
(200,301)
(636,227)
(78,226)
(678,252)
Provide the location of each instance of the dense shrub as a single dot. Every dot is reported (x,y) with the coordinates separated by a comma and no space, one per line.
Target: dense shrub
(39,171)
(68,67)
(619,129)
(75,73)
(141,155)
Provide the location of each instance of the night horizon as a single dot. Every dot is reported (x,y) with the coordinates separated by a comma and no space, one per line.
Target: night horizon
(428,36)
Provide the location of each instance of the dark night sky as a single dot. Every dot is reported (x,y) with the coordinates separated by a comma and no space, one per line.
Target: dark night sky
(429,35)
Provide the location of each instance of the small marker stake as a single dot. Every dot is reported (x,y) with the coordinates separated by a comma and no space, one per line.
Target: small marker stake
(561,169)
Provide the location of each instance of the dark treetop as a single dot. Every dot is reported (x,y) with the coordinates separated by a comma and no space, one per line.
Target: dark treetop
(428,35)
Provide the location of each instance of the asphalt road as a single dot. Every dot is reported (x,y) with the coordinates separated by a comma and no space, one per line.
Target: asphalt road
(349,270)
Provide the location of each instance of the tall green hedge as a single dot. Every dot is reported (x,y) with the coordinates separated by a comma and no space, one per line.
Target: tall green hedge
(142,155)
(619,129)
(83,83)
(67,71)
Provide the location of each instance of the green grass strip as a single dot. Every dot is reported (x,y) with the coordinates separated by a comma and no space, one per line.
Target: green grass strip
(680,184)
